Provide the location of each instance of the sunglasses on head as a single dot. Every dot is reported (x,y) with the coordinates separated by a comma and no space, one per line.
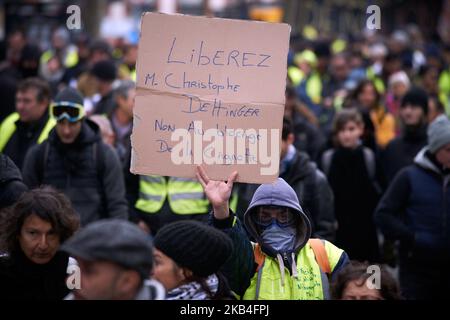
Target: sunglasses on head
(73,112)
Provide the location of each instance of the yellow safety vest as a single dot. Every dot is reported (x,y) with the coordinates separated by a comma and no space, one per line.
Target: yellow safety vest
(185,195)
(295,74)
(125,72)
(444,90)
(310,284)
(70,60)
(314,87)
(8,127)
(377,81)
(313,84)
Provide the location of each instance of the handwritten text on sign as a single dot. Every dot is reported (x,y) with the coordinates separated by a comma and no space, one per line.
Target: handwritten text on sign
(209,91)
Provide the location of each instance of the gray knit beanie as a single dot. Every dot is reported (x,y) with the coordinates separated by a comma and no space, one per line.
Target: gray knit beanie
(438,133)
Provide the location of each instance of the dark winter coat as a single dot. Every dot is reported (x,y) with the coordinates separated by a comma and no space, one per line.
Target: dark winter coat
(355,199)
(24,137)
(21,279)
(416,210)
(11,185)
(88,171)
(401,151)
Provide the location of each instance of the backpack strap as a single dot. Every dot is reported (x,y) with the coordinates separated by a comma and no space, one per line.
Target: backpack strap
(259,260)
(259,256)
(320,253)
(99,160)
(326,161)
(369,159)
(370,162)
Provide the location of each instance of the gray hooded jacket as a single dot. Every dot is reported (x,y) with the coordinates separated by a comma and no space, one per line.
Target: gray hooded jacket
(280,194)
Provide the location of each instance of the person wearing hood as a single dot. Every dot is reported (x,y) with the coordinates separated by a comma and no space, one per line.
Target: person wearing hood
(401,151)
(415,210)
(11,185)
(283,263)
(308,182)
(76,161)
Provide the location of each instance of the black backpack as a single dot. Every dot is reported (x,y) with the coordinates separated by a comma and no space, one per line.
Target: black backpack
(369,159)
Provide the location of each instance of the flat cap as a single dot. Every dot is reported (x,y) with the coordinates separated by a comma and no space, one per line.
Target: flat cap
(117,241)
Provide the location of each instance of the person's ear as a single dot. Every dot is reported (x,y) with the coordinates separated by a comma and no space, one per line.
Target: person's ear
(129,282)
(43,104)
(187,273)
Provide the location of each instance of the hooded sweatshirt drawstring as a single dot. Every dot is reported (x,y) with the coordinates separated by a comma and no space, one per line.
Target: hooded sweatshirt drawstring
(294,267)
(281,265)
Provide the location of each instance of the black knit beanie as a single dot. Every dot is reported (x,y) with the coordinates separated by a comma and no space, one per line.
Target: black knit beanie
(69,95)
(105,70)
(195,246)
(416,97)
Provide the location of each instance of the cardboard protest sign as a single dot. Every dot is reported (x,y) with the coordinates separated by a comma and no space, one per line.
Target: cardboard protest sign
(209,91)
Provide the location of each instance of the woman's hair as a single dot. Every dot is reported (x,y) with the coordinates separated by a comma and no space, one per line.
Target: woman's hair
(46,203)
(358,272)
(439,106)
(345,116)
(360,87)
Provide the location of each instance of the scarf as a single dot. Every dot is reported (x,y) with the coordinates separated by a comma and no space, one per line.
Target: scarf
(193,290)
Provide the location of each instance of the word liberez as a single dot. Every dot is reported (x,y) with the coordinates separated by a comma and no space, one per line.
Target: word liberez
(219,58)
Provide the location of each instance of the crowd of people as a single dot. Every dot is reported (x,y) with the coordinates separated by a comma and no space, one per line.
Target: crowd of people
(363,180)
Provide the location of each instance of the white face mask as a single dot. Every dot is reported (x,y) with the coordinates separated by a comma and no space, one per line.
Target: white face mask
(280,239)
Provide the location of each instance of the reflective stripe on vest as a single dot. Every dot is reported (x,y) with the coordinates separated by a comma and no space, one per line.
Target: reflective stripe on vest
(186,196)
(311,283)
(8,127)
(146,196)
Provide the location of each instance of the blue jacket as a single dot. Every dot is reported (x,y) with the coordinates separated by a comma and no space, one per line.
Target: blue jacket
(416,210)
